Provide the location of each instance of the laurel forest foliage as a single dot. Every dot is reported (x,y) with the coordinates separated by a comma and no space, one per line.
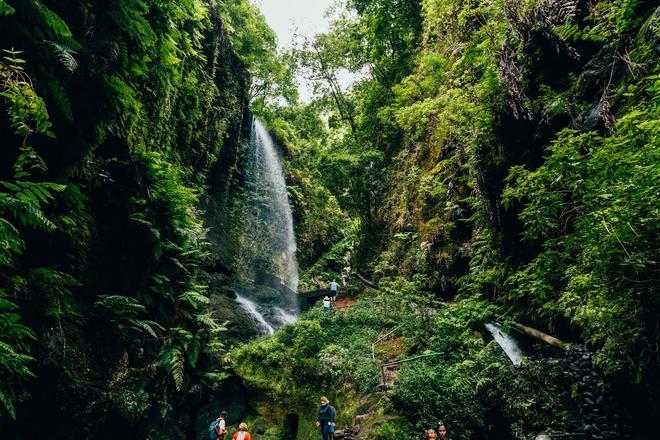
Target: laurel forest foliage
(492,173)
(505,151)
(115,115)
(493,160)
(21,203)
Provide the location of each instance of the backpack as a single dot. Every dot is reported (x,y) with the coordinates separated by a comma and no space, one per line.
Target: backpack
(213,435)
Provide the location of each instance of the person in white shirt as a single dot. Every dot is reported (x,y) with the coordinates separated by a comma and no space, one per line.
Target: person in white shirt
(219,426)
(326,305)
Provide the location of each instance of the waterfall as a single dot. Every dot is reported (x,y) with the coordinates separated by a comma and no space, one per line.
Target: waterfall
(508,344)
(278,212)
(268,242)
(251,308)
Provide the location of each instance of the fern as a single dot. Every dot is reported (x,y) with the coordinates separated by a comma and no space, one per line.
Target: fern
(13,362)
(193,298)
(14,365)
(61,98)
(64,54)
(172,354)
(7,404)
(146,326)
(124,313)
(176,367)
(194,350)
(119,305)
(5,9)
(53,22)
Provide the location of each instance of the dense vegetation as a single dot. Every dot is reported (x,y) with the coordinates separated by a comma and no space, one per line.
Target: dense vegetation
(117,121)
(504,153)
(495,160)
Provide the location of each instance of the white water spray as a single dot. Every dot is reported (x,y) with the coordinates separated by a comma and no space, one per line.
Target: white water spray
(251,308)
(508,344)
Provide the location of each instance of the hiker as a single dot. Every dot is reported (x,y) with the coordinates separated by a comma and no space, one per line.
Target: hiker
(242,433)
(326,305)
(333,290)
(345,275)
(442,431)
(430,434)
(218,428)
(326,419)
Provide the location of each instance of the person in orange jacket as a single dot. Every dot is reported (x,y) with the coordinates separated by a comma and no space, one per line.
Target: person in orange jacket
(242,433)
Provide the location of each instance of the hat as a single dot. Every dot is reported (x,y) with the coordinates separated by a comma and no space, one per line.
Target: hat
(223,413)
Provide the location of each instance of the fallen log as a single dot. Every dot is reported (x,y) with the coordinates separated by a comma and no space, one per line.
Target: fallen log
(366,281)
(548,339)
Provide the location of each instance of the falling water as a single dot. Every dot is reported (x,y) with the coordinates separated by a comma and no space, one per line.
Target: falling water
(268,170)
(268,243)
(251,308)
(508,344)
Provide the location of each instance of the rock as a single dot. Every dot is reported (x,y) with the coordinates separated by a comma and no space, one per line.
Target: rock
(348,433)
(590,429)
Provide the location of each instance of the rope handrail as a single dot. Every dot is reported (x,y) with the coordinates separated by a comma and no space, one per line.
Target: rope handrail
(412,358)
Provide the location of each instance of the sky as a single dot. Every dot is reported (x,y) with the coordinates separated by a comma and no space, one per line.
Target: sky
(302,17)
(287,17)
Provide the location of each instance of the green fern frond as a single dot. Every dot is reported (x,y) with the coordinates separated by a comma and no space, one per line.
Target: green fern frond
(52,20)
(193,298)
(64,55)
(7,404)
(146,326)
(61,98)
(172,360)
(194,349)
(119,305)
(27,214)
(206,320)
(176,368)
(13,362)
(5,9)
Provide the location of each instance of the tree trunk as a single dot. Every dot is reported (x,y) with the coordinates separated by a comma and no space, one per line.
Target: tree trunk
(542,336)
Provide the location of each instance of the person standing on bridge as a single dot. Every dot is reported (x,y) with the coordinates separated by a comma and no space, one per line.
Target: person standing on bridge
(326,419)
(333,290)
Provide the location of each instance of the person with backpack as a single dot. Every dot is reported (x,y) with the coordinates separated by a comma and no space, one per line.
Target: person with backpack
(242,433)
(326,419)
(218,428)
(345,275)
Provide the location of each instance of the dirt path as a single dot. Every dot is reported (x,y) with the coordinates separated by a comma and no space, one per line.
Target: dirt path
(343,304)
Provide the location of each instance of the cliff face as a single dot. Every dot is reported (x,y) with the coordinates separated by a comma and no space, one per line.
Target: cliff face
(499,105)
(525,172)
(140,111)
(502,153)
